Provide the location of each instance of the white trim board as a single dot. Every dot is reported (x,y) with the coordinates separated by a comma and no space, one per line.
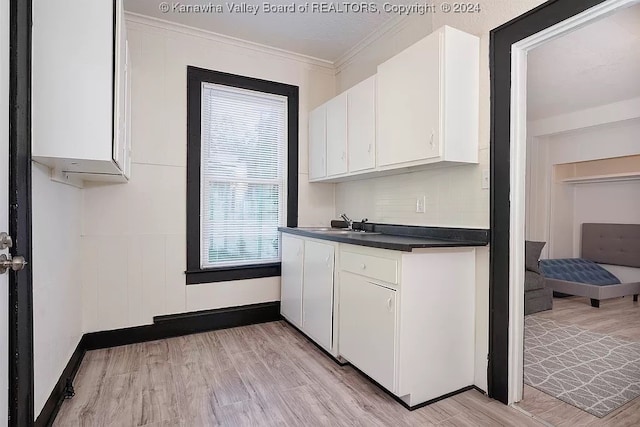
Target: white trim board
(518,135)
(604,114)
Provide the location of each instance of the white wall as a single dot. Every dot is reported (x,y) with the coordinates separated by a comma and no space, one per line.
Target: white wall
(454,195)
(606,202)
(552,207)
(362,61)
(57,292)
(133,235)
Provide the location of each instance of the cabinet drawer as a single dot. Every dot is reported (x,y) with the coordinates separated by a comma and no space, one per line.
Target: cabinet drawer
(371,266)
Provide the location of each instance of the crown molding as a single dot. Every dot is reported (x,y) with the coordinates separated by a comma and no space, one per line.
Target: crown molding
(394,24)
(233,41)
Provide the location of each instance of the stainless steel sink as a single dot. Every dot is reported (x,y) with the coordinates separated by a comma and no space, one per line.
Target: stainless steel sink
(327,230)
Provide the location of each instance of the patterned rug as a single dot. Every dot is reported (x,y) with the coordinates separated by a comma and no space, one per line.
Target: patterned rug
(594,372)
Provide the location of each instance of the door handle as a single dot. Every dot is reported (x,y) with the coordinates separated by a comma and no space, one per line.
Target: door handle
(15,263)
(390,304)
(5,241)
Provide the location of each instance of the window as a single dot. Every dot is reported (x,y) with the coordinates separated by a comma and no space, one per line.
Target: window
(242,169)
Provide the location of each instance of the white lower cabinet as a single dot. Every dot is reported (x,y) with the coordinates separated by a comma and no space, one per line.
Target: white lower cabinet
(317,293)
(407,319)
(307,288)
(291,279)
(368,324)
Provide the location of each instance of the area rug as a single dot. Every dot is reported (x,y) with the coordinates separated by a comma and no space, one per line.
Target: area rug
(594,372)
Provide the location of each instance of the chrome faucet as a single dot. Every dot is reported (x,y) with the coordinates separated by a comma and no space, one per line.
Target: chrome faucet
(348,220)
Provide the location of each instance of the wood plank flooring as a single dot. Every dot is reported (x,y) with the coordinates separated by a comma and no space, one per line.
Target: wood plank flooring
(619,317)
(259,375)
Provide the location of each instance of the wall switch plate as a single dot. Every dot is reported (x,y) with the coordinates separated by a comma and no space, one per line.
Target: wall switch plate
(421,203)
(485,179)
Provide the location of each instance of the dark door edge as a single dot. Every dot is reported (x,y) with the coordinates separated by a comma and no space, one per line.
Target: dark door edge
(21,376)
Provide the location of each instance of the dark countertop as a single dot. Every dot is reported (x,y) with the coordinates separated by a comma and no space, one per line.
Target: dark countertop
(400,238)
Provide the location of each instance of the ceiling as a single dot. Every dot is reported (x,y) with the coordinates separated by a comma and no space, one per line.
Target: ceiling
(325,36)
(595,65)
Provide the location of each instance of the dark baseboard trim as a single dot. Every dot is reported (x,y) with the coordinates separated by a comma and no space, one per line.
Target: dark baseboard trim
(163,327)
(54,402)
(176,325)
(393,396)
(329,355)
(422,404)
(439,398)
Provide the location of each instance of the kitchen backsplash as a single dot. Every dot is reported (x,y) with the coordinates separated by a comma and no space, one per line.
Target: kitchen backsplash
(454,197)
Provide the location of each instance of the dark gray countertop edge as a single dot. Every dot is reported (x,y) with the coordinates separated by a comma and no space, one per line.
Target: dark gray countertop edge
(383,243)
(441,233)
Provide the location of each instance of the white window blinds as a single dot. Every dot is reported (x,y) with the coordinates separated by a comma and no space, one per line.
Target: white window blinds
(243,176)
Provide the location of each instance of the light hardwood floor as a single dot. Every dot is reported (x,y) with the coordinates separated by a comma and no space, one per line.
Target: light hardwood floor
(259,375)
(619,317)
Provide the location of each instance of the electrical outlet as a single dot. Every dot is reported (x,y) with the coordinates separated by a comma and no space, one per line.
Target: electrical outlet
(421,203)
(485,179)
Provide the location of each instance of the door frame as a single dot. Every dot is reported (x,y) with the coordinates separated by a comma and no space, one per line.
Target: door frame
(508,48)
(21,398)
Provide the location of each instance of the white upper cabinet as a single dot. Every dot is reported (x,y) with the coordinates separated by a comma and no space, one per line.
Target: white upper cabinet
(428,102)
(81,89)
(409,104)
(361,125)
(420,109)
(337,135)
(318,143)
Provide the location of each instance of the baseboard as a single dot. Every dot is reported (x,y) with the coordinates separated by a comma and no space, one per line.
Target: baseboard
(422,404)
(318,346)
(163,327)
(393,396)
(176,325)
(57,396)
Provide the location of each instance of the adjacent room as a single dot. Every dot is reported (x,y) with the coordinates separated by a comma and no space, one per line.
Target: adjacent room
(582,278)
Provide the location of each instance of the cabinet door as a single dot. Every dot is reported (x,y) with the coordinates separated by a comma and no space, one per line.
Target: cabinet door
(120,146)
(318,143)
(317,294)
(127,144)
(291,279)
(409,104)
(337,135)
(368,327)
(361,125)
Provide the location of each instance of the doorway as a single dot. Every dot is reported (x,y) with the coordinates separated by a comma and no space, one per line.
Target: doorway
(509,45)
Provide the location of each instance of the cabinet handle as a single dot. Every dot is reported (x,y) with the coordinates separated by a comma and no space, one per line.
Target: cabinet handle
(342,156)
(363,266)
(390,304)
(431,138)
(369,149)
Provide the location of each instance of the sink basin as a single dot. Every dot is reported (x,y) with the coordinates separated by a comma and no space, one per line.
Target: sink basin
(342,232)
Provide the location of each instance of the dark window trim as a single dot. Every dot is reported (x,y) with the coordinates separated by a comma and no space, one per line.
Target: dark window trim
(195,77)
(501,39)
